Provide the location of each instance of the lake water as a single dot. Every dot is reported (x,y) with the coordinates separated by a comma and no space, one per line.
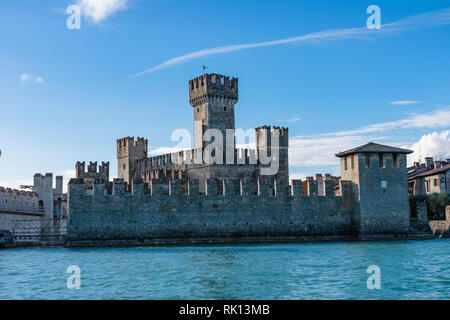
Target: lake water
(409,270)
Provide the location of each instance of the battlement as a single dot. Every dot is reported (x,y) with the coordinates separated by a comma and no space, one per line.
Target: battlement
(192,157)
(19,201)
(18,192)
(207,86)
(134,148)
(262,187)
(92,172)
(43,181)
(129,141)
(265,134)
(282,131)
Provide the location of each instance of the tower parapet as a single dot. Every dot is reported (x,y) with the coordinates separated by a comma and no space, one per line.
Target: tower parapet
(92,172)
(212,86)
(264,136)
(213,97)
(129,152)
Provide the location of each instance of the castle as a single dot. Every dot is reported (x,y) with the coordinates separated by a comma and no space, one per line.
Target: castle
(34,217)
(213,98)
(185,197)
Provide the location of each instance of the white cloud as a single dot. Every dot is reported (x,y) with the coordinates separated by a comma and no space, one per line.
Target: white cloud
(320,150)
(99,10)
(29,78)
(163,150)
(299,175)
(428,19)
(5,184)
(295,118)
(70,173)
(435,145)
(436,119)
(67,175)
(405,102)
(16,184)
(316,151)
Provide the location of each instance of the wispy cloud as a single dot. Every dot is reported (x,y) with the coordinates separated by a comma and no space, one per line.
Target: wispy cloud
(294,118)
(29,78)
(405,102)
(428,19)
(99,10)
(320,149)
(436,119)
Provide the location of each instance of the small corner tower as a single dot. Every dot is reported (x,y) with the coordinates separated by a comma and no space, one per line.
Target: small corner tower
(128,152)
(212,97)
(379,175)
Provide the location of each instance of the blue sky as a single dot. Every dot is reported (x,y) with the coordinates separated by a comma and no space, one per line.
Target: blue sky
(67,95)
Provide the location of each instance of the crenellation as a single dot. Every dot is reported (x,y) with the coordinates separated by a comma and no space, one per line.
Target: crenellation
(94,172)
(312,187)
(282,189)
(296,188)
(194,185)
(249,187)
(212,187)
(177,194)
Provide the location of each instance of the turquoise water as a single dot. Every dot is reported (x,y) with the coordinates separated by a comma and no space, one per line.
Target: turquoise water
(409,270)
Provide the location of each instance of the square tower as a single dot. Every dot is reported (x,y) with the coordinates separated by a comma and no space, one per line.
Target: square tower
(213,97)
(379,174)
(128,152)
(266,136)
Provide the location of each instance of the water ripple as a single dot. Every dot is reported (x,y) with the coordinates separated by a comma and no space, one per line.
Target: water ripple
(409,270)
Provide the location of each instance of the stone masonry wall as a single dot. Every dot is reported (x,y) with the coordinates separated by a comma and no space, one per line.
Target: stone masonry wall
(230,212)
(441,228)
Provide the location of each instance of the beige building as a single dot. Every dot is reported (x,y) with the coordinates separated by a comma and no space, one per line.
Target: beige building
(429,177)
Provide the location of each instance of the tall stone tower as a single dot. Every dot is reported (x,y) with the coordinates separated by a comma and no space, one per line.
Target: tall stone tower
(128,152)
(278,152)
(213,97)
(379,175)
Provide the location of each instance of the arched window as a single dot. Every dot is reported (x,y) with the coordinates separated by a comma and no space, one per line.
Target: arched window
(41,205)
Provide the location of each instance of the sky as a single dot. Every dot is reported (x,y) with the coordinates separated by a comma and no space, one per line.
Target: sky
(66,95)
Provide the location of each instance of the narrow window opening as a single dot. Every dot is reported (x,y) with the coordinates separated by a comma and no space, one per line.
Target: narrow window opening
(345,163)
(380,160)
(353,162)
(367,160)
(395,159)
(224,108)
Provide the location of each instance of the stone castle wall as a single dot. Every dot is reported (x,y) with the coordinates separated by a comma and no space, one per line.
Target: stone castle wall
(234,211)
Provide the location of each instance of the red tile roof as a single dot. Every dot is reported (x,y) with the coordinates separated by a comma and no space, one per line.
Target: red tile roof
(431,172)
